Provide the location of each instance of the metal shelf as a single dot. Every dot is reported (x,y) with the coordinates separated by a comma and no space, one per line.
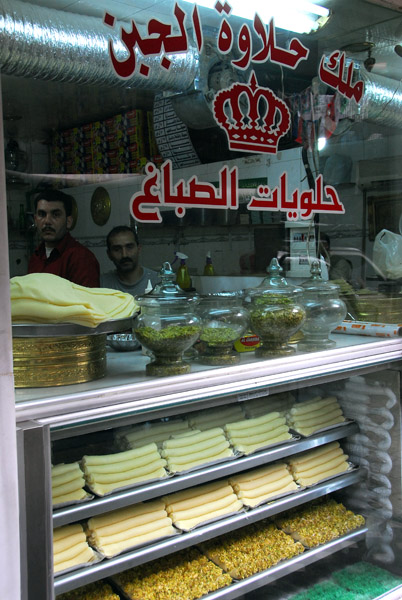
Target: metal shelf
(287,567)
(108,567)
(77,512)
(127,392)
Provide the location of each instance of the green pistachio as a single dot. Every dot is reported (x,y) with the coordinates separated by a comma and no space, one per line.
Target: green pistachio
(218,335)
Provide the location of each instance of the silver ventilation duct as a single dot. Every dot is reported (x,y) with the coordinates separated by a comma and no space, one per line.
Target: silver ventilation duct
(56,45)
(381,102)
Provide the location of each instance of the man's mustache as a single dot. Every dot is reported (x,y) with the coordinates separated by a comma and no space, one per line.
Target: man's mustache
(45,229)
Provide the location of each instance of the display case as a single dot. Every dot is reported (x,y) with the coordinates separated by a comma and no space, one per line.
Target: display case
(58,425)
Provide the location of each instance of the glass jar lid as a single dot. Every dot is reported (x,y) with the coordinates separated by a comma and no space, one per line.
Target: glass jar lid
(166,291)
(317,284)
(274,284)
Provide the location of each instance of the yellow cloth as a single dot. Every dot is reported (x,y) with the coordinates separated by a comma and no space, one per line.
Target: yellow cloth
(47,298)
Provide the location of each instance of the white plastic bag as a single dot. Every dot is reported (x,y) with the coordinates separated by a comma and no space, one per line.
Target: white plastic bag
(387,253)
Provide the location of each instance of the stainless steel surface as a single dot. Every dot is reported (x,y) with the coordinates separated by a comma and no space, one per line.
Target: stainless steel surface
(381,103)
(44,43)
(137,557)
(286,568)
(35,506)
(126,390)
(76,512)
(69,329)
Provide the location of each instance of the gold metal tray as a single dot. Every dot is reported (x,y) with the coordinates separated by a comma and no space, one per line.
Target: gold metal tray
(28,330)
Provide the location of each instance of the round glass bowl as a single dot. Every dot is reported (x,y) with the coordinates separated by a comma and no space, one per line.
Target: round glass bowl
(167,325)
(224,320)
(324,311)
(276,313)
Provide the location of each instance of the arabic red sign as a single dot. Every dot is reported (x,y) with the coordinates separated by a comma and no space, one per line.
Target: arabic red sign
(158,190)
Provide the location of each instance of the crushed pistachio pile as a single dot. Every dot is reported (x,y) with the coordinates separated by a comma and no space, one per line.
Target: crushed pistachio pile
(218,335)
(185,575)
(173,339)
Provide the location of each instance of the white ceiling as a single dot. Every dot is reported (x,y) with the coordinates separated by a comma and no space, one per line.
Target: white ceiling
(42,105)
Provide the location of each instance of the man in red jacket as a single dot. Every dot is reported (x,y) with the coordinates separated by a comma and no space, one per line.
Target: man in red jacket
(59,253)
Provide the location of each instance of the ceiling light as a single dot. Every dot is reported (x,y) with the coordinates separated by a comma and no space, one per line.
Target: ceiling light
(300,16)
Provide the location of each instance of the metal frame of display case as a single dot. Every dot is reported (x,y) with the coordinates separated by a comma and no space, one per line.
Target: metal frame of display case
(110,404)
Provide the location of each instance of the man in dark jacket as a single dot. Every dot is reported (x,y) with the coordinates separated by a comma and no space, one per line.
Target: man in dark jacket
(59,253)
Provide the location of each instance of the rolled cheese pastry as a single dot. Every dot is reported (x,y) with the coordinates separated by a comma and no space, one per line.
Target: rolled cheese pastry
(193,492)
(310,430)
(321,468)
(183,434)
(320,419)
(63,468)
(129,523)
(105,488)
(185,455)
(173,505)
(175,467)
(70,547)
(64,473)
(71,486)
(305,481)
(267,488)
(258,431)
(187,524)
(280,436)
(120,457)
(154,432)
(64,532)
(200,510)
(195,437)
(324,458)
(249,423)
(116,516)
(309,405)
(266,475)
(312,454)
(254,436)
(102,538)
(110,550)
(314,411)
(258,499)
(69,497)
(71,541)
(122,476)
(85,556)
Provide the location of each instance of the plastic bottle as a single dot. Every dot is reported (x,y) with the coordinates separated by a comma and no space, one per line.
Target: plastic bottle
(209,267)
(183,278)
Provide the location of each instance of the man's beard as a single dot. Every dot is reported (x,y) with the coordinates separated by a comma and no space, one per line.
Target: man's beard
(127,265)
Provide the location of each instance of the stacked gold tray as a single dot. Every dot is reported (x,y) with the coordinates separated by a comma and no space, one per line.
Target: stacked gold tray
(47,355)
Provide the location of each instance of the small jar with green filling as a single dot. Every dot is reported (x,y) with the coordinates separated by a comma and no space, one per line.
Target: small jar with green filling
(276,313)
(224,320)
(167,325)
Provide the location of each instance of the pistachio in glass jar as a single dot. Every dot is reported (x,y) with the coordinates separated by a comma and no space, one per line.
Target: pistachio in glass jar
(276,313)
(167,325)
(224,321)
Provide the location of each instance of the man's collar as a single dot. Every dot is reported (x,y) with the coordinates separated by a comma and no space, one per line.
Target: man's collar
(61,246)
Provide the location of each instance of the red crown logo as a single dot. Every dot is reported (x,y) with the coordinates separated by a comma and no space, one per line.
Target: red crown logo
(260,129)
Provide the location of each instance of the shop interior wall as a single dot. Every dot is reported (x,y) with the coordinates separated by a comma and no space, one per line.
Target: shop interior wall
(226,244)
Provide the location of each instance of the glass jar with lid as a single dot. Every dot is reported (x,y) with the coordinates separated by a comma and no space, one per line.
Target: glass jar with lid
(324,311)
(276,312)
(167,325)
(224,321)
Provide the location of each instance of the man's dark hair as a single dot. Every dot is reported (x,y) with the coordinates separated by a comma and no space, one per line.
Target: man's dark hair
(121,229)
(56,196)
